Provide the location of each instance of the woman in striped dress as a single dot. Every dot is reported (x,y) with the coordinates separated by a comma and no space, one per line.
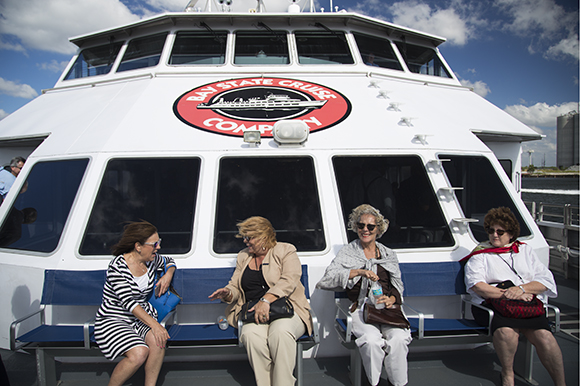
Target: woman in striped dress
(126,324)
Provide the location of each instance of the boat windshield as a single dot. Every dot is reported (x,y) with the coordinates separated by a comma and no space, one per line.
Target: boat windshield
(143,52)
(322,47)
(162,191)
(482,191)
(377,52)
(39,214)
(399,188)
(268,47)
(422,60)
(94,61)
(195,47)
(281,189)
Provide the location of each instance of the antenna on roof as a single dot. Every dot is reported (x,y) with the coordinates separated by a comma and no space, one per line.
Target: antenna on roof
(260,7)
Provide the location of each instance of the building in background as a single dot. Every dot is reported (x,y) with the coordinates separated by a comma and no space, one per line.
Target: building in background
(568,139)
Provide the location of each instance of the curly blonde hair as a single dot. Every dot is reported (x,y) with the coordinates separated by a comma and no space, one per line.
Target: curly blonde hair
(356,214)
(259,228)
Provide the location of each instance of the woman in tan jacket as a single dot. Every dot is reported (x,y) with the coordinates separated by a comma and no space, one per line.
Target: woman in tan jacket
(266,271)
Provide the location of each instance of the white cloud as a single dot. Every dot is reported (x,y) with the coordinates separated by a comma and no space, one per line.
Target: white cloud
(53,66)
(540,114)
(3,114)
(479,87)
(444,22)
(47,25)
(564,47)
(12,47)
(17,90)
(545,22)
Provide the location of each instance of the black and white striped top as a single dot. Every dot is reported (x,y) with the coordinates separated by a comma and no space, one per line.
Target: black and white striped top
(121,293)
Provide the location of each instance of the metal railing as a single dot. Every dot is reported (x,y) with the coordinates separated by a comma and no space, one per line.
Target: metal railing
(560,225)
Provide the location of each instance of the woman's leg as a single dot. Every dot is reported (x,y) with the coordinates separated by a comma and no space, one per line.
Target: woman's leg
(282,337)
(549,353)
(134,358)
(154,360)
(396,347)
(255,339)
(505,342)
(370,343)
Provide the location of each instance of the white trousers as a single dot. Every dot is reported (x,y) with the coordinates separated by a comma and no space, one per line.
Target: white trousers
(271,350)
(380,343)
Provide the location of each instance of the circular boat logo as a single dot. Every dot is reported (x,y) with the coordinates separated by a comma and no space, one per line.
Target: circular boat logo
(234,106)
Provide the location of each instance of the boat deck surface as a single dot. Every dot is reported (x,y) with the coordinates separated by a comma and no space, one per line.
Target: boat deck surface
(465,367)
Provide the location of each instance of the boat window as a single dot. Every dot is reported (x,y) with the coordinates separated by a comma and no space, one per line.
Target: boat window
(399,188)
(37,218)
(196,47)
(143,52)
(422,60)
(268,47)
(94,61)
(482,191)
(281,189)
(377,52)
(162,191)
(321,47)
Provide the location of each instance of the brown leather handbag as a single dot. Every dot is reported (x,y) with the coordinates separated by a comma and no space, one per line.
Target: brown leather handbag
(391,316)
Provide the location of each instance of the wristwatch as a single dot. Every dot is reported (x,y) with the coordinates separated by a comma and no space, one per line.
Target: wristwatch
(522,288)
(266,300)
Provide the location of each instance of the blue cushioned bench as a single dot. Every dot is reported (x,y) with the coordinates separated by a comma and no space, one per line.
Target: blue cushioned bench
(428,280)
(84,289)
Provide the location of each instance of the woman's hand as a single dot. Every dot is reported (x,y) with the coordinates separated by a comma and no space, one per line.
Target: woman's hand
(160,334)
(262,314)
(162,285)
(389,301)
(516,293)
(363,273)
(221,294)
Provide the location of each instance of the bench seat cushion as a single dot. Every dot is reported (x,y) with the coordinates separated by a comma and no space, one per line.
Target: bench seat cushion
(56,333)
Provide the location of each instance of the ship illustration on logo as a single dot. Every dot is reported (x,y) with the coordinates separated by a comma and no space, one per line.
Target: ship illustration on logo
(270,103)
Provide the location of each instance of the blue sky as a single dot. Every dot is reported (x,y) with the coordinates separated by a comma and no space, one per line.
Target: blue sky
(521,55)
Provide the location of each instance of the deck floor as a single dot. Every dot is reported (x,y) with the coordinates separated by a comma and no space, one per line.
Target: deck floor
(478,366)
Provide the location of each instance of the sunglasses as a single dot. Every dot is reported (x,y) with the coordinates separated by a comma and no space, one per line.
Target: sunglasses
(155,244)
(361,226)
(246,239)
(491,231)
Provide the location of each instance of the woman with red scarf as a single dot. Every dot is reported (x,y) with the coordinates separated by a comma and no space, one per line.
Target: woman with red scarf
(504,259)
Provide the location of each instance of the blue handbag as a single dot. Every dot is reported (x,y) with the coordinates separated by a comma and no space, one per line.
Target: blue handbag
(165,303)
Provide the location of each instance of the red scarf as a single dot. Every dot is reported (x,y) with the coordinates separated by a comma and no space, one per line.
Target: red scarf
(482,248)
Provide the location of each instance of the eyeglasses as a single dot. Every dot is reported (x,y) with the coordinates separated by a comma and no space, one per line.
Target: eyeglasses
(491,231)
(361,226)
(246,238)
(155,244)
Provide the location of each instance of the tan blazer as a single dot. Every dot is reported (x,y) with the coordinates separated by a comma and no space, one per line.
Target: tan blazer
(282,271)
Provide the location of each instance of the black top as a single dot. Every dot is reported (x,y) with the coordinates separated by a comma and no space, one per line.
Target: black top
(253,284)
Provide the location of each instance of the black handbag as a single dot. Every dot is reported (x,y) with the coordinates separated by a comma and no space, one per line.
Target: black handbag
(390,316)
(279,308)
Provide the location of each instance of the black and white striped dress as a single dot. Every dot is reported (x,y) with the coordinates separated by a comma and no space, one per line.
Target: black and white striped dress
(117,330)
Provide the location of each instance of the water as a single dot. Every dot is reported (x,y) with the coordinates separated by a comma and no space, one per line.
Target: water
(551,190)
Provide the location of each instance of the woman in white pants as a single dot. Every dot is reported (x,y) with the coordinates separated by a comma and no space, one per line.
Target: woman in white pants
(354,268)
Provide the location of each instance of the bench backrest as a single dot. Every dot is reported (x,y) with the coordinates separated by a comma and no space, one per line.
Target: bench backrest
(85,288)
(430,279)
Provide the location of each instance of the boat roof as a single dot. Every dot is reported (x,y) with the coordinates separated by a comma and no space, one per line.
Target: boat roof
(171,18)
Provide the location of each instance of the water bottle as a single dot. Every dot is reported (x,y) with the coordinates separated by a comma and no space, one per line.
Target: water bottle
(377,292)
(222,322)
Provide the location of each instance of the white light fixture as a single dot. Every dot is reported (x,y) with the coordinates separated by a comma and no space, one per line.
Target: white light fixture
(290,133)
(253,137)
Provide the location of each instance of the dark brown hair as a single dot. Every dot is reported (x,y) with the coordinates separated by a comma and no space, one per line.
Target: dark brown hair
(503,217)
(134,232)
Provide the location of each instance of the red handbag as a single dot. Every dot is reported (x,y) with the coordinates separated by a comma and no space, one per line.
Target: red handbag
(518,309)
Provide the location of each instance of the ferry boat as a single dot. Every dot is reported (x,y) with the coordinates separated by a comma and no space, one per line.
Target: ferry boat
(140,126)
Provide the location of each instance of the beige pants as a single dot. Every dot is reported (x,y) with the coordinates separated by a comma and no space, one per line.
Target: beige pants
(271,350)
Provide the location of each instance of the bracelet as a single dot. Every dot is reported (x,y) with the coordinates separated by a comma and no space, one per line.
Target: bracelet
(522,288)
(264,300)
